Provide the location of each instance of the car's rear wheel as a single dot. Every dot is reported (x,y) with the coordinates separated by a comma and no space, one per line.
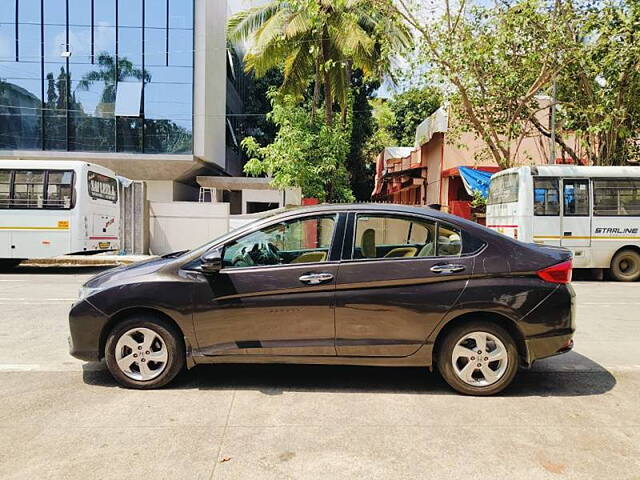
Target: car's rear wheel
(625,266)
(478,358)
(144,352)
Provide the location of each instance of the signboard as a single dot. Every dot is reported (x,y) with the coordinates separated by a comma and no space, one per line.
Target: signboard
(102,187)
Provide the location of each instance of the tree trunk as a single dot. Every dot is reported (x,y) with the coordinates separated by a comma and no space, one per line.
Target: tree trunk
(328,98)
(316,91)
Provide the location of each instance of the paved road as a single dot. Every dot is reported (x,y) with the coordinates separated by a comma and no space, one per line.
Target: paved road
(573,416)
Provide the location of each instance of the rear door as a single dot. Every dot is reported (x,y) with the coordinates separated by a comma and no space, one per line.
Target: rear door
(399,276)
(576,212)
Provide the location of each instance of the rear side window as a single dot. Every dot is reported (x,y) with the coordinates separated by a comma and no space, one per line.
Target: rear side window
(387,236)
(616,197)
(102,187)
(503,189)
(546,197)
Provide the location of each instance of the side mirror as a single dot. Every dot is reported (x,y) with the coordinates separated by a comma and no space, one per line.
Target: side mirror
(212,261)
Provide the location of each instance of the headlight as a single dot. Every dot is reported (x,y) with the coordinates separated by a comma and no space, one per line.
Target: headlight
(86,292)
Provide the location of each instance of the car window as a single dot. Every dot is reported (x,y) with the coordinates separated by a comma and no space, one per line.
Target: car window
(385,236)
(306,240)
(449,242)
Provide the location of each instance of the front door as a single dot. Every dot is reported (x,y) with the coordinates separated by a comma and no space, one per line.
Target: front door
(576,213)
(275,293)
(547,227)
(401,275)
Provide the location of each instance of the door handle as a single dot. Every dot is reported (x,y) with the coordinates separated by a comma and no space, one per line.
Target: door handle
(315,278)
(448,268)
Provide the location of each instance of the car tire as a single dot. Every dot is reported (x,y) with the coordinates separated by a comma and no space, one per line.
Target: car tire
(625,266)
(464,369)
(144,352)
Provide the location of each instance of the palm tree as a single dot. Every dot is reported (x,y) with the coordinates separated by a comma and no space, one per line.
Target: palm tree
(319,41)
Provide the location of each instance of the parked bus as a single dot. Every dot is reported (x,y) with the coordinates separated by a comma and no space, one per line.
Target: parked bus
(592,211)
(50,208)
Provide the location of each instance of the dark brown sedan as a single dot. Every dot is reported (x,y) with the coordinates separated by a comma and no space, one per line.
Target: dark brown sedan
(335,284)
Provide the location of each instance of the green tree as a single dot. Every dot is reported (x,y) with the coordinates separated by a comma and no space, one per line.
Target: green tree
(319,42)
(410,108)
(306,153)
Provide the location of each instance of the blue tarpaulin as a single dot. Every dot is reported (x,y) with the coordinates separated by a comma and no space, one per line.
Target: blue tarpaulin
(475,180)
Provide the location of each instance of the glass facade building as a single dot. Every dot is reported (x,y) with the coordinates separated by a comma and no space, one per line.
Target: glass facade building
(97,75)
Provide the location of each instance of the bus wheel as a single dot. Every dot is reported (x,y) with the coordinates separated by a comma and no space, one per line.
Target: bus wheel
(625,266)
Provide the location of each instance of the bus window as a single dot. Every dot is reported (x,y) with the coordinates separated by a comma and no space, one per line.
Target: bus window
(576,198)
(546,197)
(5,188)
(28,189)
(60,189)
(616,197)
(102,187)
(503,189)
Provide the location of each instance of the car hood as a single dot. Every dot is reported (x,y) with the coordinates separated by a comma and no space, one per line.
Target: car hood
(127,272)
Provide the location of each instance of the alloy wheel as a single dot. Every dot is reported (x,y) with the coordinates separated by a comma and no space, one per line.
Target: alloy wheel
(141,354)
(479,359)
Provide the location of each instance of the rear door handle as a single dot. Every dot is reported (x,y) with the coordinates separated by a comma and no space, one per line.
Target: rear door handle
(448,268)
(316,278)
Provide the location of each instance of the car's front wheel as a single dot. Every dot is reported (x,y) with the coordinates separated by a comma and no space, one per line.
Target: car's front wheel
(478,358)
(144,352)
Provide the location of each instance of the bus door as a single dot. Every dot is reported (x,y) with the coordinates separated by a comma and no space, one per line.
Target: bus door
(547,226)
(576,212)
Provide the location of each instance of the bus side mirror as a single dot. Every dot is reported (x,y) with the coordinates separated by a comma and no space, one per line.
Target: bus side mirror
(212,261)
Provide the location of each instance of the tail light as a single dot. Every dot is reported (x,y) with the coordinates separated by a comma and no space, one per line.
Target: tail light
(560,273)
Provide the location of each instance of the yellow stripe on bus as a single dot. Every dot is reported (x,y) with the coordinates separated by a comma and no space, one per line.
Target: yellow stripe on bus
(34,228)
(555,237)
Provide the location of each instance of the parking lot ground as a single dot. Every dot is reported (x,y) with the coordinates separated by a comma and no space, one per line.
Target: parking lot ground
(571,416)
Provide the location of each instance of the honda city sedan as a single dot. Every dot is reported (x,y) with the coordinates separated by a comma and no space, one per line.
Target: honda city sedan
(384,285)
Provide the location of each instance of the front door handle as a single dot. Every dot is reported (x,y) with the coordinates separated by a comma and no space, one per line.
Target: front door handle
(448,268)
(315,278)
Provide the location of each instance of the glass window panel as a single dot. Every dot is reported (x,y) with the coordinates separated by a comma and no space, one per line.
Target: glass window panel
(20,107)
(546,197)
(55,107)
(80,12)
(55,12)
(155,46)
(5,188)
(155,13)
(104,40)
(28,189)
(128,99)
(298,241)
(80,44)
(449,242)
(616,197)
(181,14)
(130,45)
(177,106)
(181,47)
(129,134)
(8,12)
(380,236)
(503,189)
(167,136)
(55,43)
(59,189)
(29,11)
(130,13)
(7,43)
(29,43)
(104,12)
(576,198)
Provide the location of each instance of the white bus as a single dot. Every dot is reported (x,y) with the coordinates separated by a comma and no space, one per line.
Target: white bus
(50,208)
(592,211)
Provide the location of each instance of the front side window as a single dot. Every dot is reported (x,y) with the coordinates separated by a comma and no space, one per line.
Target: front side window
(616,197)
(382,236)
(306,240)
(546,197)
(503,189)
(102,187)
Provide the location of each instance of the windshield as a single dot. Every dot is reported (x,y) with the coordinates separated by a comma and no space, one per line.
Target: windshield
(503,189)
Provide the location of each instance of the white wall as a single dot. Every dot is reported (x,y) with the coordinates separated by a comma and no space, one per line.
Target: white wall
(184,225)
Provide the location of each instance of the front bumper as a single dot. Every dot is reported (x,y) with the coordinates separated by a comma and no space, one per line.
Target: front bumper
(86,324)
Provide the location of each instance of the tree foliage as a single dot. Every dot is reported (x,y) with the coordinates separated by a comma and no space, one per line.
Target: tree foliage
(306,153)
(409,109)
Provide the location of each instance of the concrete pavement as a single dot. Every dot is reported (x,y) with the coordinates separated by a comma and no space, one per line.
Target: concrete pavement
(572,416)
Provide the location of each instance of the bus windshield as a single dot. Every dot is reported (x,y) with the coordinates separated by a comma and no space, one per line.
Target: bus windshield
(503,189)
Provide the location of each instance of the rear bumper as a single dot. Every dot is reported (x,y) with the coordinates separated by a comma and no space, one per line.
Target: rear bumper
(85,326)
(544,347)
